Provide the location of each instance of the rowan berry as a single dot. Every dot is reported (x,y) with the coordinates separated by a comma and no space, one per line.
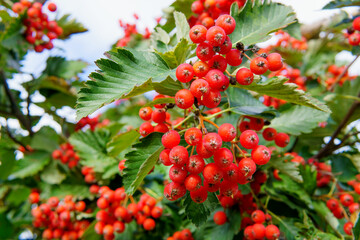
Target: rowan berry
(204,51)
(212,173)
(215,36)
(223,157)
(170,139)
(227,132)
(249,139)
(158,115)
(198,33)
(201,69)
(212,141)
(269,134)
(226,22)
(274,61)
(346,199)
(259,65)
(218,62)
(184,72)
(196,164)
(193,136)
(220,218)
(145,113)
(184,99)
(247,167)
(282,139)
(258,216)
(149,224)
(177,174)
(244,76)
(272,232)
(228,188)
(356,24)
(192,182)
(179,156)
(199,195)
(234,57)
(261,155)
(52,7)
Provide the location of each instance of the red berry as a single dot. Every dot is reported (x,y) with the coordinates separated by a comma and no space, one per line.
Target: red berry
(145,113)
(248,233)
(121,213)
(232,172)
(164,157)
(174,191)
(52,7)
(34,197)
(119,226)
(226,46)
(256,124)
(156,212)
(212,141)
(99,226)
(357,188)
(177,174)
(258,216)
(220,218)
(204,51)
(259,65)
(223,157)
(354,207)
(218,62)
(228,188)
(354,39)
(199,88)
(102,203)
(162,105)
(198,33)
(215,78)
(201,69)
(184,99)
(261,155)
(108,230)
(212,99)
(193,136)
(193,182)
(161,127)
(258,231)
(199,195)
(196,164)
(227,23)
(149,224)
(356,24)
(212,173)
(215,36)
(244,76)
(272,232)
(247,167)
(244,125)
(274,61)
(332,204)
(249,139)
(269,134)
(158,115)
(227,132)
(212,187)
(282,139)
(17,7)
(146,128)
(346,199)
(348,228)
(233,57)
(202,151)
(184,72)
(179,156)
(170,139)
(197,7)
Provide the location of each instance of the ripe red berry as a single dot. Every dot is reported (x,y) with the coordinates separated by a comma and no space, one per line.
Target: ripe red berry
(218,62)
(228,188)
(249,139)
(272,232)
(161,127)
(247,167)
(356,24)
(119,226)
(274,61)
(34,197)
(193,136)
(212,173)
(226,46)
(199,195)
(146,128)
(174,191)
(193,182)
(244,125)
(354,39)
(179,156)
(233,57)
(184,72)
(223,157)
(170,139)
(108,230)
(248,233)
(269,134)
(201,69)
(215,78)
(202,151)
(164,157)
(282,139)
(99,226)
(258,231)
(199,88)
(212,99)
(196,164)
(215,36)
(227,23)
(261,155)
(212,141)
(357,188)
(198,33)
(158,115)
(184,99)
(52,7)
(259,65)
(204,51)
(162,105)
(258,216)
(244,76)
(354,207)
(220,218)
(256,124)
(149,224)
(145,113)
(156,212)
(348,228)
(102,203)
(197,7)
(17,7)
(232,172)
(177,174)
(227,132)
(346,199)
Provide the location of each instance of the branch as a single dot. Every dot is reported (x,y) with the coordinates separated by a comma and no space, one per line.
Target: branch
(330,146)
(12,137)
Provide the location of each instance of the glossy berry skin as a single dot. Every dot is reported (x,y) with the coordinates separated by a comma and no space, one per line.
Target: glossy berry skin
(202,151)
(193,182)
(227,132)
(256,124)
(258,216)
(201,69)
(258,231)
(215,78)
(356,24)
(212,173)
(348,228)
(212,141)
(232,172)
(272,232)
(119,226)
(220,218)
(215,36)
(177,174)
(269,134)
(212,99)
(199,195)
(156,212)
(218,62)
(158,115)
(282,139)
(170,139)
(204,51)
(193,136)
(249,139)
(223,157)
(244,76)
(179,156)
(332,204)
(174,191)
(199,88)
(197,7)
(259,65)
(145,113)
(227,23)
(146,128)
(184,99)
(161,127)
(233,57)
(52,7)
(184,72)
(198,33)
(346,199)
(196,164)
(149,224)
(247,167)
(274,61)
(261,155)
(228,188)
(226,46)
(354,39)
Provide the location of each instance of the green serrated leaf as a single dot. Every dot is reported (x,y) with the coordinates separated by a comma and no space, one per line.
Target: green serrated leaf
(121,142)
(69,26)
(343,168)
(288,168)
(140,161)
(199,213)
(52,174)
(78,191)
(256,21)
(167,87)
(126,74)
(341,4)
(355,159)
(309,178)
(31,164)
(277,88)
(159,101)
(182,26)
(298,119)
(321,208)
(228,230)
(45,139)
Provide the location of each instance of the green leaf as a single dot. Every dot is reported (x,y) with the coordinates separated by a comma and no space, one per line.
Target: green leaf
(7,163)
(294,30)
(140,161)
(323,211)
(341,4)
(182,26)
(90,233)
(69,26)
(298,119)
(7,229)
(183,6)
(343,168)
(121,142)
(228,230)
(45,139)
(31,164)
(242,102)
(355,159)
(159,101)
(18,195)
(62,68)
(91,147)
(277,88)
(309,178)
(199,213)
(52,174)
(167,87)
(78,191)
(288,168)
(126,74)
(256,22)
(356,229)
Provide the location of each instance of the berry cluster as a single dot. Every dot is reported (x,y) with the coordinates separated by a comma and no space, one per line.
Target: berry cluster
(353,33)
(114,213)
(89,174)
(286,41)
(66,155)
(91,122)
(338,75)
(184,234)
(57,218)
(131,32)
(258,230)
(206,11)
(40,31)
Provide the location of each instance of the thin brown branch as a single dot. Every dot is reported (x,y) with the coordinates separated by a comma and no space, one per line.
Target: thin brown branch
(338,79)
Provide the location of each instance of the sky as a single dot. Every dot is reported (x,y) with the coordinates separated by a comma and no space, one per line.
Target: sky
(101,17)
